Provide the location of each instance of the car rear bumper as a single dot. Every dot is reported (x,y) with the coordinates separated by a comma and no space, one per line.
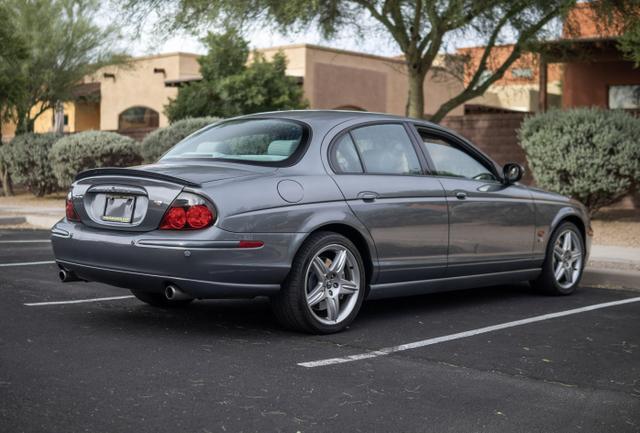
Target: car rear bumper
(203,264)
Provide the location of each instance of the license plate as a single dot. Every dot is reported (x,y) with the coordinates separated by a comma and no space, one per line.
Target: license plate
(119,208)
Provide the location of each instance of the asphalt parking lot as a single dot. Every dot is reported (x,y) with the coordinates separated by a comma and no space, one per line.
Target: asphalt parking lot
(119,365)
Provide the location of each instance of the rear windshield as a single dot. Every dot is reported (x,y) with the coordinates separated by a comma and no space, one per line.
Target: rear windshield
(257,141)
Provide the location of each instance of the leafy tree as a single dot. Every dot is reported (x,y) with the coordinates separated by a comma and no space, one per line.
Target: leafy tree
(422,29)
(12,52)
(63,44)
(587,153)
(229,87)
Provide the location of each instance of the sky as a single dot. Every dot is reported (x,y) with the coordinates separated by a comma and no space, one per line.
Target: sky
(376,41)
(149,42)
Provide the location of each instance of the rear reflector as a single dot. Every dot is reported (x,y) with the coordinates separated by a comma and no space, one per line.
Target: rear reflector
(250,244)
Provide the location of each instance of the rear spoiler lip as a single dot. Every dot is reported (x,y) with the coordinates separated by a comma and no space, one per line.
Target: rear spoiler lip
(108,171)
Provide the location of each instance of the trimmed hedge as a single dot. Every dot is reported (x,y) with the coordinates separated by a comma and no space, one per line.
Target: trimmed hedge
(27,158)
(590,154)
(84,150)
(159,141)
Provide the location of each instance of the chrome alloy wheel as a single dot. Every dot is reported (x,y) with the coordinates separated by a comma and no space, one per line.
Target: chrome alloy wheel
(567,259)
(332,284)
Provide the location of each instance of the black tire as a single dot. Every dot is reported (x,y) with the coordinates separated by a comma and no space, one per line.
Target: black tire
(158,300)
(547,282)
(290,305)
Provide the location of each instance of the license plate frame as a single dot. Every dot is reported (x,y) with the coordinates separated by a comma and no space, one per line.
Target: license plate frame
(119,208)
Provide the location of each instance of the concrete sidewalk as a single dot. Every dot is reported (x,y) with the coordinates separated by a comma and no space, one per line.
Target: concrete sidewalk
(36,216)
(614,257)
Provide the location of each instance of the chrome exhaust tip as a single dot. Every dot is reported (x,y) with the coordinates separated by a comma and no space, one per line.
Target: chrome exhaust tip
(67,276)
(173,293)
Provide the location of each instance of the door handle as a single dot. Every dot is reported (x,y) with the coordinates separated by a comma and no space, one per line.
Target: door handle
(461,195)
(368,196)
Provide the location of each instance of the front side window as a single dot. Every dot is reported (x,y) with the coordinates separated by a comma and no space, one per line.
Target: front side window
(451,161)
(386,149)
(249,140)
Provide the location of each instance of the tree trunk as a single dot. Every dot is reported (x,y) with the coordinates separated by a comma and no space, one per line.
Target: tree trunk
(7,185)
(25,123)
(415,103)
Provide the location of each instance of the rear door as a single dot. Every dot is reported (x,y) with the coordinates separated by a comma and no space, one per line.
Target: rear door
(491,225)
(380,172)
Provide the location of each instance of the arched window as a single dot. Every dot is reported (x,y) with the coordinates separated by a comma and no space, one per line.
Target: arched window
(138,117)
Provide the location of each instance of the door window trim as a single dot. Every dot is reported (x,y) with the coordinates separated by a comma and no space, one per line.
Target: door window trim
(424,167)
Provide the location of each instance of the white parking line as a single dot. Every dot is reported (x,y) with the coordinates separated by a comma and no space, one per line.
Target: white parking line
(459,335)
(27,241)
(7,265)
(77,301)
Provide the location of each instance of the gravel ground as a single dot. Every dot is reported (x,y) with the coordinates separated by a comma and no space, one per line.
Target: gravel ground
(617,227)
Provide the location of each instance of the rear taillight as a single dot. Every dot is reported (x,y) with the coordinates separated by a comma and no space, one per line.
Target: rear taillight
(188,212)
(70,211)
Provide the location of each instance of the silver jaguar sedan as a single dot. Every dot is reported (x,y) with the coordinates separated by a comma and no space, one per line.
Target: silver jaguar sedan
(318,210)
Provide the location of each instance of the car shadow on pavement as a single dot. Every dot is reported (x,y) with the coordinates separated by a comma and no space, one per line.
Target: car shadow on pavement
(253,316)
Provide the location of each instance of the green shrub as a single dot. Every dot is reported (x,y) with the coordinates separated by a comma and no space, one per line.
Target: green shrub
(27,159)
(78,152)
(163,139)
(589,154)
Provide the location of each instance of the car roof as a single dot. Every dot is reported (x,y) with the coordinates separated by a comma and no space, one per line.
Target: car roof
(334,116)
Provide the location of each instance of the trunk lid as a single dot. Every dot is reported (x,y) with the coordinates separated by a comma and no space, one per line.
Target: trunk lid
(136,199)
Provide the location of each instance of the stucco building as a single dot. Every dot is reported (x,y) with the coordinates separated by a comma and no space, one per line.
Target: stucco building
(131,99)
(582,68)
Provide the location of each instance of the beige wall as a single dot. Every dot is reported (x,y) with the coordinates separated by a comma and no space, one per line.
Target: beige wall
(138,85)
(331,79)
(337,79)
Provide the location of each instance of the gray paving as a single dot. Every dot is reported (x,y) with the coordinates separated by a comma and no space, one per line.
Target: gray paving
(121,366)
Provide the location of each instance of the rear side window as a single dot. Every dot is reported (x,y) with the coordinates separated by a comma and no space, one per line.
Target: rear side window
(386,149)
(346,157)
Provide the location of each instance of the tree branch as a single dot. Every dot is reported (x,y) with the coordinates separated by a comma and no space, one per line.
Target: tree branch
(471,92)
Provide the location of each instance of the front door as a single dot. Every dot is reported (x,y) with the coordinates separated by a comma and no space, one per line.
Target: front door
(491,225)
(379,172)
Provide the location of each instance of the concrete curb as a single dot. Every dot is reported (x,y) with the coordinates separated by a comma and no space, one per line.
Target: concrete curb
(611,278)
(12,220)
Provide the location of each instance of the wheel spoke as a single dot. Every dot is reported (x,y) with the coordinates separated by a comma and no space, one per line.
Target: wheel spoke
(575,256)
(339,261)
(348,287)
(316,295)
(559,271)
(333,308)
(319,268)
(568,274)
(557,250)
(567,242)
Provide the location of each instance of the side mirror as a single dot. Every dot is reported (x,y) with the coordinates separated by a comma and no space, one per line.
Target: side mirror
(512,172)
